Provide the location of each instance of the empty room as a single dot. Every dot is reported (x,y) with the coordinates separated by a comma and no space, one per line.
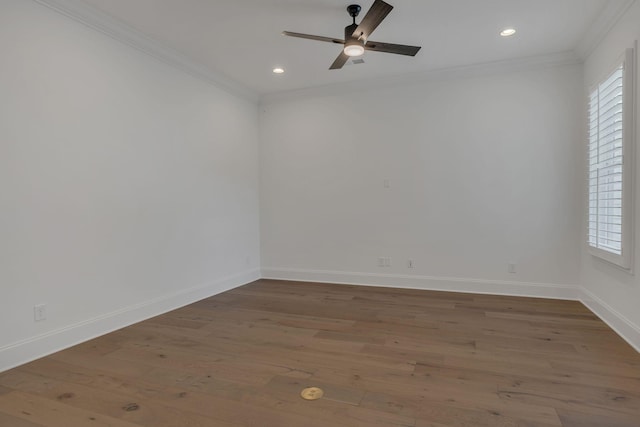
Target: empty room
(283,213)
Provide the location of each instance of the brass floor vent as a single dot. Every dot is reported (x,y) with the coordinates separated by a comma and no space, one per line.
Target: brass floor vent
(312,393)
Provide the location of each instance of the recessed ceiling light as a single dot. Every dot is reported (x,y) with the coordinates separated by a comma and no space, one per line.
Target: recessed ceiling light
(508,32)
(278,70)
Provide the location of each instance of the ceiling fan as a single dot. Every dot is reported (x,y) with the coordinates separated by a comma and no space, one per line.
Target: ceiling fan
(356,37)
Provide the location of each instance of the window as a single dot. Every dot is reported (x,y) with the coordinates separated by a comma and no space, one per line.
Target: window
(611,133)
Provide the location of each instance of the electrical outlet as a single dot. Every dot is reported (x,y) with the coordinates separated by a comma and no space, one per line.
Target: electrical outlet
(40,312)
(410,264)
(384,262)
(512,268)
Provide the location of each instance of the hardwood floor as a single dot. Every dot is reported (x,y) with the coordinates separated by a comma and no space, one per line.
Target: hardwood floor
(384,357)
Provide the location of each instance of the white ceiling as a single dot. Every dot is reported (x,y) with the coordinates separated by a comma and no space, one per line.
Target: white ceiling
(241,38)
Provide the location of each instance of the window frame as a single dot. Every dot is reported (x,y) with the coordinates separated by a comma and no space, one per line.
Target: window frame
(624,260)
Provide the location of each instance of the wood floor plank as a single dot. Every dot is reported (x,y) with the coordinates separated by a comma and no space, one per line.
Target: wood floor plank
(384,357)
(438,415)
(578,419)
(10,421)
(50,413)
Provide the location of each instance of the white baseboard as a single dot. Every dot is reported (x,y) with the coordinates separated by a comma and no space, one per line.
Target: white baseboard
(616,321)
(16,354)
(448,284)
(22,352)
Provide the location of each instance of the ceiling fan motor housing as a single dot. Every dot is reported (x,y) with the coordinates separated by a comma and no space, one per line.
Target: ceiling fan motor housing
(349,30)
(352,41)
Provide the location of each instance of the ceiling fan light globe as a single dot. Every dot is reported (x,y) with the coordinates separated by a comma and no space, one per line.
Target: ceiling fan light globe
(354,50)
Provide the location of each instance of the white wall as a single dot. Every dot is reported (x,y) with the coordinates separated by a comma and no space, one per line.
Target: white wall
(127,187)
(483,171)
(613,293)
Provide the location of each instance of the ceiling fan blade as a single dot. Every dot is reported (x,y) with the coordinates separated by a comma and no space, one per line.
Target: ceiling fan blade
(379,10)
(399,49)
(310,37)
(339,62)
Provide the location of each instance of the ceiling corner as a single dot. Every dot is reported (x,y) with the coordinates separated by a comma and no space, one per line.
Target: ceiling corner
(607,19)
(118,30)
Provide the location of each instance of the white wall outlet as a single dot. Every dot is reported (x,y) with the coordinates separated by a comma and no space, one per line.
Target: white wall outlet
(512,268)
(386,183)
(384,262)
(410,264)
(40,312)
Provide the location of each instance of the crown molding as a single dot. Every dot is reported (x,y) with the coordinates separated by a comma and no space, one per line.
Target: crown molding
(606,20)
(489,68)
(118,30)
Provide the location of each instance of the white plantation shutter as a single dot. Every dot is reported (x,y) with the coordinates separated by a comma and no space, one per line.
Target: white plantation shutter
(609,137)
(605,164)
